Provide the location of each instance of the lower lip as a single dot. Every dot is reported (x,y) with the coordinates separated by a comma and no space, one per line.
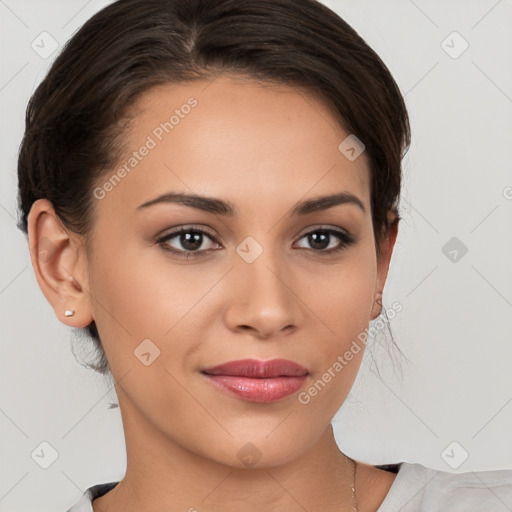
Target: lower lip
(258,390)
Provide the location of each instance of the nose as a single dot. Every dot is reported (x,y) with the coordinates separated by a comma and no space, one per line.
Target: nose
(262,299)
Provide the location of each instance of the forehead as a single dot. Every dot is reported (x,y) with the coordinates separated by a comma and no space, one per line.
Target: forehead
(237,139)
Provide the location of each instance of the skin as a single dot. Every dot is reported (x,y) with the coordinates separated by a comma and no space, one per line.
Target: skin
(263,149)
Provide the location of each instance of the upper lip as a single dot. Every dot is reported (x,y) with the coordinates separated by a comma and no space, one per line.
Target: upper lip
(258,369)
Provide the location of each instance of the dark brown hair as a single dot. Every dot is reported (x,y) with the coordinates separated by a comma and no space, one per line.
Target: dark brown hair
(76,117)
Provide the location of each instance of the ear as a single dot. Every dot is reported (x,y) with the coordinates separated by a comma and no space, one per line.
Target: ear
(383,260)
(60,264)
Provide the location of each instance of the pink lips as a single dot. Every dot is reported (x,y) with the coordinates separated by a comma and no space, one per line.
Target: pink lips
(258,381)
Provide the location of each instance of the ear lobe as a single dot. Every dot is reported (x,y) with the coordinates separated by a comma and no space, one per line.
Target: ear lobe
(377,307)
(59,264)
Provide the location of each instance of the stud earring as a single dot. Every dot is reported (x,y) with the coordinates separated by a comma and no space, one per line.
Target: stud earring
(69,312)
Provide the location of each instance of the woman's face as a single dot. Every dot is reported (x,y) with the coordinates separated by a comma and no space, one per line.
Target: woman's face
(263,282)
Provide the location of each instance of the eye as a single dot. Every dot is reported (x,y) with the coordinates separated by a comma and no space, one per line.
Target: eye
(190,241)
(328,240)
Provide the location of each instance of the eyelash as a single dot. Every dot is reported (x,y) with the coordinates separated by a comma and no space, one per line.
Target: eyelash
(345,241)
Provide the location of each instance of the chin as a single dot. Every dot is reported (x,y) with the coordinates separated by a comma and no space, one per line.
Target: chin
(262,451)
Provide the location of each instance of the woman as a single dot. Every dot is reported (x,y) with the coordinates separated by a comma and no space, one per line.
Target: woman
(211,190)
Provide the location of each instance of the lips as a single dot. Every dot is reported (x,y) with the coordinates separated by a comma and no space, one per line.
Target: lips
(258,381)
(258,369)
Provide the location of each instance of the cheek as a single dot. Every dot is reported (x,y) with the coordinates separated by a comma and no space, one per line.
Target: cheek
(345,293)
(129,302)
(135,289)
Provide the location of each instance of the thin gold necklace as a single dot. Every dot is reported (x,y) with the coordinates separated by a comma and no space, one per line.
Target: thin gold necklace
(353,487)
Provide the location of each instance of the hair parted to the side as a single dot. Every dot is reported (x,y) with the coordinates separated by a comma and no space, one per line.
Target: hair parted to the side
(77,116)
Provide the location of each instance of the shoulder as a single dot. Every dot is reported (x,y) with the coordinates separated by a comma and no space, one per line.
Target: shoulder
(417,488)
(84,504)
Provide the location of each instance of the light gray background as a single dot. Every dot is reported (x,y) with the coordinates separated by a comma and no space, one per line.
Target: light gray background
(456,323)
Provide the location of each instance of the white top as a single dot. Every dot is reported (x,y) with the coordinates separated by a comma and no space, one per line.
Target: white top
(415,489)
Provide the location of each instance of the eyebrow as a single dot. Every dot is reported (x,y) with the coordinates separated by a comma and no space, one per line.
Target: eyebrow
(220,207)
